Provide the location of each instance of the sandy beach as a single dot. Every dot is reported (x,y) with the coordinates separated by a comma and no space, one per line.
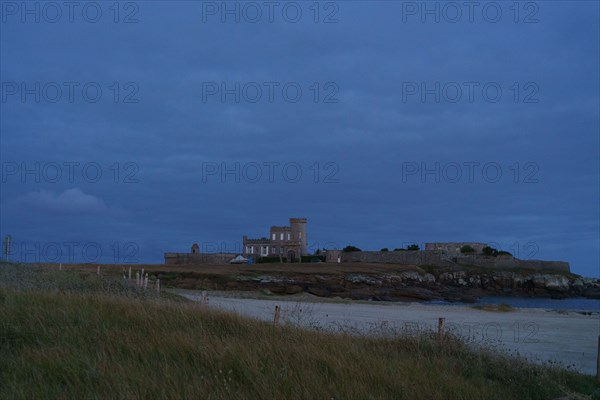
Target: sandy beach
(569,338)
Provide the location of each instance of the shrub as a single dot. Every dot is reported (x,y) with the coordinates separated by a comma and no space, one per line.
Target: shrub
(466,249)
(349,249)
(313,259)
(269,260)
(489,251)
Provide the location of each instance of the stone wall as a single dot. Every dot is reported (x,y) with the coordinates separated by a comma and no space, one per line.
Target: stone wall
(442,259)
(398,257)
(454,247)
(198,258)
(331,256)
(508,262)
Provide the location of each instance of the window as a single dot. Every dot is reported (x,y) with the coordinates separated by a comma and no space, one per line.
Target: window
(281,250)
(274,236)
(252,250)
(289,236)
(300,235)
(281,236)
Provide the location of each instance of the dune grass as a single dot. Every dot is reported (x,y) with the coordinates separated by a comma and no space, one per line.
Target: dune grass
(99,344)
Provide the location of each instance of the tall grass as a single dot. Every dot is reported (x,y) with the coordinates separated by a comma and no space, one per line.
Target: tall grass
(95,344)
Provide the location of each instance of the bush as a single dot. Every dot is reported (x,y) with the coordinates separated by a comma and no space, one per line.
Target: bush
(489,251)
(269,260)
(412,247)
(466,249)
(349,249)
(384,249)
(313,259)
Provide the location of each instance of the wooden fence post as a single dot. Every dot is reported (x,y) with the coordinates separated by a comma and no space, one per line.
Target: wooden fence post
(98,270)
(277,315)
(130,273)
(441,322)
(157,285)
(203,298)
(598,361)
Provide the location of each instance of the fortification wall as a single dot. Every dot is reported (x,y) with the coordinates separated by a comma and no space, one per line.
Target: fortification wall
(397,257)
(198,258)
(331,256)
(507,262)
(441,258)
(454,247)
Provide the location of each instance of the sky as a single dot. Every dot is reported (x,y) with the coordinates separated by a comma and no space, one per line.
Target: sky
(132,129)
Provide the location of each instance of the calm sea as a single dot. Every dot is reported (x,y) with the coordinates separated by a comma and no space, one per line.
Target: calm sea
(564,304)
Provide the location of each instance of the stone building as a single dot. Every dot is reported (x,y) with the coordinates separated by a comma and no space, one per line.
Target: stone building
(283,241)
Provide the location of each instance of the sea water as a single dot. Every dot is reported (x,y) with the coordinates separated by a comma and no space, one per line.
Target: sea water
(536,302)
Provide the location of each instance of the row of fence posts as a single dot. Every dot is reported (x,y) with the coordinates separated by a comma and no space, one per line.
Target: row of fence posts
(141,279)
(441,323)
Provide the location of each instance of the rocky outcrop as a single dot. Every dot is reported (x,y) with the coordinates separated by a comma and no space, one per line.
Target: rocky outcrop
(411,285)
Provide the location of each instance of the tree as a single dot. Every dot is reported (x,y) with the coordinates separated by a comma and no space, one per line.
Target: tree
(385,249)
(466,249)
(348,249)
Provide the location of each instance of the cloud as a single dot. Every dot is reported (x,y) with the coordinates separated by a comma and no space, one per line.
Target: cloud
(71,201)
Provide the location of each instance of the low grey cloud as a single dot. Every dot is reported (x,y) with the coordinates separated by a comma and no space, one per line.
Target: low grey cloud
(70,201)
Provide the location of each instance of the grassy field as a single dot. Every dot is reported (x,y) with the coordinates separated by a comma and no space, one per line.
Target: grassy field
(74,334)
(233,269)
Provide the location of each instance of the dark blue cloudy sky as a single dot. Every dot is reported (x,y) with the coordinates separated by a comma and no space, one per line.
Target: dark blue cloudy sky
(133,130)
